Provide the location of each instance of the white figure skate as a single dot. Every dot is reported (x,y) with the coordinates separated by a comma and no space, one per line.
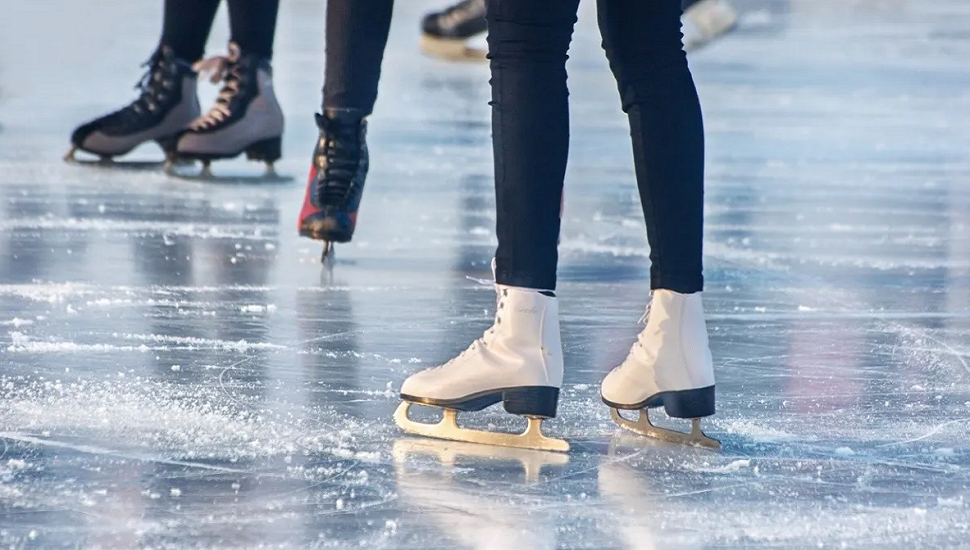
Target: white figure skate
(705,21)
(518,362)
(670,365)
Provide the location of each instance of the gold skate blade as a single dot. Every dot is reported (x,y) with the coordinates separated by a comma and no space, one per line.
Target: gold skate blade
(448,428)
(451,49)
(643,426)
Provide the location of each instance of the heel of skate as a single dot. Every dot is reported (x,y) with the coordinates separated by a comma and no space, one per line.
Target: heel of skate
(695,403)
(536,401)
(643,426)
(448,428)
(169,145)
(267,150)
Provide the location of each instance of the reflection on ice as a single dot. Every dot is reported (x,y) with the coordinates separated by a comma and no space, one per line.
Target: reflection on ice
(494,510)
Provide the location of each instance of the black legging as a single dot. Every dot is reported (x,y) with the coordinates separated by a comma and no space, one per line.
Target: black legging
(356,37)
(187,24)
(528,40)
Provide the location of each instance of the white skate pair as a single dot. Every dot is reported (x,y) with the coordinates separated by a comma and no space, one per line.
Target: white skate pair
(519,361)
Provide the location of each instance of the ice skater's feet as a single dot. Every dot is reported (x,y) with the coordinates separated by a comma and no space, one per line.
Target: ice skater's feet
(167,104)
(246,117)
(446,33)
(705,21)
(669,366)
(518,362)
(335,184)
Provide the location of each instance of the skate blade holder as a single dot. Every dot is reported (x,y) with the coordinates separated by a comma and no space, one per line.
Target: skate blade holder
(329,256)
(110,161)
(643,426)
(448,428)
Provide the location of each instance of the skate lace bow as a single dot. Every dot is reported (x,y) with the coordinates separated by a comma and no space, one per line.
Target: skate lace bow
(219,69)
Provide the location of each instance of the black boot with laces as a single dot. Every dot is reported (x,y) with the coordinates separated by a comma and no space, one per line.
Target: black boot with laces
(246,118)
(336,181)
(167,105)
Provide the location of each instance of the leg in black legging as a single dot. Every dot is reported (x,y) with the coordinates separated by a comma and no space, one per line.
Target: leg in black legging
(356,36)
(643,43)
(253,25)
(527,43)
(186,26)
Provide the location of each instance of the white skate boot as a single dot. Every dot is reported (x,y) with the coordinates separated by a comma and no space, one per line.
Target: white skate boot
(706,20)
(669,366)
(518,362)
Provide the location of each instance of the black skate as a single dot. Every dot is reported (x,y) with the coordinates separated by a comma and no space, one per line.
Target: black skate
(246,117)
(336,181)
(445,34)
(167,104)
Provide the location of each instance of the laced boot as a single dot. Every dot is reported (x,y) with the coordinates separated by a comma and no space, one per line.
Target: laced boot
(336,181)
(669,366)
(246,118)
(518,362)
(167,104)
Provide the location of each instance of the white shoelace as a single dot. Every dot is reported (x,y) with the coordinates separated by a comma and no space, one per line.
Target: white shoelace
(218,68)
(643,321)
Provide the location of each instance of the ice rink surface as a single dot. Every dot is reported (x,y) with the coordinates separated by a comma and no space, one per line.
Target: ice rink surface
(178,370)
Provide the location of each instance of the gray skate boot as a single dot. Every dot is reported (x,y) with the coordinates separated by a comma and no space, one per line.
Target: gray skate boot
(167,105)
(246,117)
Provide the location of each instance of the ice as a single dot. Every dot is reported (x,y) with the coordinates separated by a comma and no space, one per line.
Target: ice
(177,370)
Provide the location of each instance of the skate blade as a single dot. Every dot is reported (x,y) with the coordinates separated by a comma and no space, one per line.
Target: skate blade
(447,453)
(643,426)
(452,50)
(132,165)
(448,428)
(206,175)
(329,256)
